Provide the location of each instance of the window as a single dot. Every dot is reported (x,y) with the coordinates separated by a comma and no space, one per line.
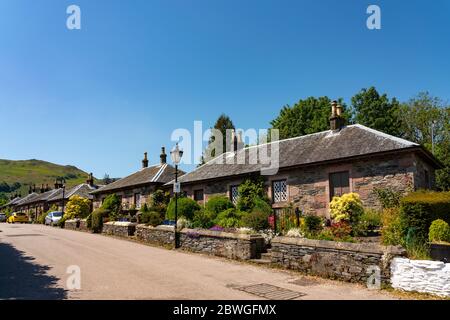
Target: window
(137,200)
(198,195)
(339,183)
(427,179)
(234,194)
(279,191)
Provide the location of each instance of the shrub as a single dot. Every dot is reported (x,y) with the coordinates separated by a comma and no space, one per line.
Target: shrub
(256,220)
(203,219)
(341,230)
(97,219)
(392,231)
(387,197)
(62,221)
(217,204)
(372,217)
(312,223)
(419,209)
(230,218)
(151,218)
(186,208)
(347,207)
(261,205)
(77,207)
(248,191)
(113,205)
(416,246)
(439,231)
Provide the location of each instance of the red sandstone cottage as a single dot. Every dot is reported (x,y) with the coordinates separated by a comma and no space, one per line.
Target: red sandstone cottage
(314,168)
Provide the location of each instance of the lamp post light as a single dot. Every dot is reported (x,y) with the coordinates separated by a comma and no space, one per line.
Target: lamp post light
(176,155)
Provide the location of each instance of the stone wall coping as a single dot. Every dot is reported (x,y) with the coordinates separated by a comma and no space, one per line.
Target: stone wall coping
(221,234)
(160,227)
(348,246)
(73,220)
(121,223)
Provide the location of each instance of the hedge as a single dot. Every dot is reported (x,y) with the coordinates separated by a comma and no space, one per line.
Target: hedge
(420,209)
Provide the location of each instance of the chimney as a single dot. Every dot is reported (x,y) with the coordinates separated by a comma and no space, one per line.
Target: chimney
(42,188)
(145,161)
(34,188)
(336,120)
(46,187)
(163,156)
(30,189)
(235,140)
(90,179)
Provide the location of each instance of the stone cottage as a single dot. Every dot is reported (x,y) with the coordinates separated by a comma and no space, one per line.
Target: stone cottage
(315,167)
(135,189)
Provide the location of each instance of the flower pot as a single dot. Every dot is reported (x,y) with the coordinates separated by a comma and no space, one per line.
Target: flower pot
(440,252)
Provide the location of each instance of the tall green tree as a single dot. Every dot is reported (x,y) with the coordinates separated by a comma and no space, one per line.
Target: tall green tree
(306,116)
(419,115)
(377,111)
(223,123)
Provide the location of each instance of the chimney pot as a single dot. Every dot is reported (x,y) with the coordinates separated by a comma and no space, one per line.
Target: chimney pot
(145,161)
(336,120)
(163,155)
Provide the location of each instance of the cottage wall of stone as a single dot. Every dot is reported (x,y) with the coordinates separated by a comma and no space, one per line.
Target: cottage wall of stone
(127,196)
(308,187)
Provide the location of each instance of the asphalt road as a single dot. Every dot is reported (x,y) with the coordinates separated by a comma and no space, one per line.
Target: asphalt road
(34,261)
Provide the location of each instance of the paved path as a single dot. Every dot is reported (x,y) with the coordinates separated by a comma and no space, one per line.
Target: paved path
(34,261)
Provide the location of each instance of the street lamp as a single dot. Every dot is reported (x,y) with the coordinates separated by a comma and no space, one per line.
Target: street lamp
(176,155)
(63,184)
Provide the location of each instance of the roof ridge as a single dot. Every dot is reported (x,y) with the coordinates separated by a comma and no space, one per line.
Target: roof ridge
(385,135)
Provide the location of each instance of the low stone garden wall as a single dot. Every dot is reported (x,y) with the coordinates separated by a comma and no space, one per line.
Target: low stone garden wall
(120,229)
(160,235)
(421,276)
(71,224)
(83,226)
(352,262)
(229,245)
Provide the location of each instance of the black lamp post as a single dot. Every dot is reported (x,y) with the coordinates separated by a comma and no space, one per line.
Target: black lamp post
(176,155)
(63,184)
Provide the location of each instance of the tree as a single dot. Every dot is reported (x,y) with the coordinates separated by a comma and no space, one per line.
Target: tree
(419,114)
(223,123)
(377,111)
(77,207)
(306,116)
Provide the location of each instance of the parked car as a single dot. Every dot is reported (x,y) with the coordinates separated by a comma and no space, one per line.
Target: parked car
(18,217)
(53,217)
(2,217)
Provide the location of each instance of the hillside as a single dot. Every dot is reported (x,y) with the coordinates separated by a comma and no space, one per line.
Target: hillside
(19,175)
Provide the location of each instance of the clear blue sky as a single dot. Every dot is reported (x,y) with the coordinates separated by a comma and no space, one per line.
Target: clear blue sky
(99,97)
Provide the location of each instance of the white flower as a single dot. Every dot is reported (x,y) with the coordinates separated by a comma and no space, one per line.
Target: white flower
(295,233)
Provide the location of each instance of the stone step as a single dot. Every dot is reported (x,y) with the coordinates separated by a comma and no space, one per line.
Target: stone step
(261,261)
(266,256)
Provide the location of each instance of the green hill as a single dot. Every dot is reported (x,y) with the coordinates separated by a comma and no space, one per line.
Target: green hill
(19,175)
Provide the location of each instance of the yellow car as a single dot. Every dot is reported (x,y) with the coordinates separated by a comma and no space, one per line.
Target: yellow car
(18,217)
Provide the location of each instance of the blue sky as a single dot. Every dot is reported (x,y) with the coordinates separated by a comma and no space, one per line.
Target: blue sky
(98,97)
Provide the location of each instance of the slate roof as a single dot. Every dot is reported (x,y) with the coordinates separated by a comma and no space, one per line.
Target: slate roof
(156,174)
(83,190)
(12,202)
(350,141)
(27,199)
(37,198)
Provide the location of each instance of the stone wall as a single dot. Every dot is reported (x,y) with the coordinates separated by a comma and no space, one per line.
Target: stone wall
(350,262)
(120,229)
(83,226)
(71,224)
(229,245)
(160,235)
(421,276)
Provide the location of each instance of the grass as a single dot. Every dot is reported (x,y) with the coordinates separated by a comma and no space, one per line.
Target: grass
(38,172)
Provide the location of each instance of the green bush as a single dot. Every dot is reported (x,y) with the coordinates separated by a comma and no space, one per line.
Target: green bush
(186,208)
(393,230)
(113,205)
(371,218)
(388,197)
(439,231)
(257,220)
(41,218)
(230,218)
(203,219)
(77,207)
(347,207)
(217,204)
(312,223)
(152,218)
(420,209)
(97,219)
(261,205)
(248,191)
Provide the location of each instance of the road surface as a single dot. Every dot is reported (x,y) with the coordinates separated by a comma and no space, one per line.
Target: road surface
(34,261)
